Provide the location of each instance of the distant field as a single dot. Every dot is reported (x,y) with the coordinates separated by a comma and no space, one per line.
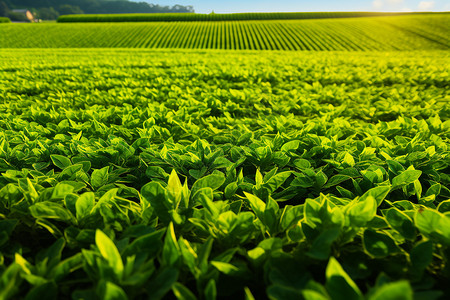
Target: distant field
(176,17)
(407,32)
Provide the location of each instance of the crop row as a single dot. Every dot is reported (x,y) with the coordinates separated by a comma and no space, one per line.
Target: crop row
(184,17)
(131,174)
(358,34)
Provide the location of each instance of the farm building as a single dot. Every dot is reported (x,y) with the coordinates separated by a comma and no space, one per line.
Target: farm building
(25,14)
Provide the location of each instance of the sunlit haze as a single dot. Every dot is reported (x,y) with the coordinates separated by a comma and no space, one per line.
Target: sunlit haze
(203,6)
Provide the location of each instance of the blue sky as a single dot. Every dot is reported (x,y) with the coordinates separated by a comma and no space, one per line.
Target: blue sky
(204,6)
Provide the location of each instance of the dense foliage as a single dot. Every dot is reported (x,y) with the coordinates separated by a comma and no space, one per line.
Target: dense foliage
(175,17)
(4,20)
(224,175)
(97,6)
(410,32)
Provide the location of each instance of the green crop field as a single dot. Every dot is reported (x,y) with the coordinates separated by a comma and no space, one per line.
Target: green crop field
(177,17)
(406,32)
(205,173)
(160,174)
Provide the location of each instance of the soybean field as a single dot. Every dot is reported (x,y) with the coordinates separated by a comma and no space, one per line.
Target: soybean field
(405,32)
(178,160)
(186,174)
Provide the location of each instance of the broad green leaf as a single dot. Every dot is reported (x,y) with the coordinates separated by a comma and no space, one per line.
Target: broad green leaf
(50,210)
(47,290)
(114,292)
(338,284)
(109,251)
(405,178)
(433,224)
(162,283)
(182,293)
(211,290)
(362,211)
(60,161)
(84,205)
(61,190)
(155,194)
(313,295)
(321,247)
(378,244)
(213,181)
(394,291)
(379,193)
(422,255)
(276,181)
(402,223)
(290,146)
(149,243)
(171,251)
(257,205)
(99,177)
(174,187)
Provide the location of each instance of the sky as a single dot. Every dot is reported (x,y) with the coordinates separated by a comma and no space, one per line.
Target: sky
(226,6)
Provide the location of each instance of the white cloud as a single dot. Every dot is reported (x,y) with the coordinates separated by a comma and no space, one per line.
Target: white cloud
(389,5)
(377,4)
(426,5)
(407,9)
(395,2)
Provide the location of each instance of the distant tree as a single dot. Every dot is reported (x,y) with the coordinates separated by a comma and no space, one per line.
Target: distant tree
(48,13)
(99,6)
(67,9)
(17,17)
(4,10)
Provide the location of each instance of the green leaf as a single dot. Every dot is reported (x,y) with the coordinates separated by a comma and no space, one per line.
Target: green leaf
(400,290)
(313,295)
(60,161)
(113,292)
(378,244)
(171,251)
(46,291)
(155,194)
(84,205)
(290,146)
(109,251)
(335,180)
(401,223)
(422,255)
(182,293)
(433,224)
(321,247)
(50,210)
(276,181)
(276,292)
(61,190)
(150,244)
(174,188)
(162,283)
(210,290)
(213,181)
(338,284)
(257,205)
(435,189)
(405,178)
(363,211)
(99,177)
(379,193)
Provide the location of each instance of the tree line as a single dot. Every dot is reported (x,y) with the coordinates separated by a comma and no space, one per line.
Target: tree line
(51,9)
